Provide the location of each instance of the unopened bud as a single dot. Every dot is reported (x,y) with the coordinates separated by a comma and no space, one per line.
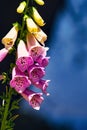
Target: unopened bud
(21,7)
(39,2)
(31,25)
(36,16)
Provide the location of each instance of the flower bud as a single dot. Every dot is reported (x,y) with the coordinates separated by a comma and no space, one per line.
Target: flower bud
(21,7)
(36,16)
(31,26)
(39,2)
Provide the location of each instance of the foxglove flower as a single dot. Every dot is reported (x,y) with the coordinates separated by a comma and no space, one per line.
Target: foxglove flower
(35,73)
(21,7)
(34,99)
(3,53)
(37,18)
(43,61)
(10,37)
(23,60)
(42,84)
(19,81)
(41,36)
(35,49)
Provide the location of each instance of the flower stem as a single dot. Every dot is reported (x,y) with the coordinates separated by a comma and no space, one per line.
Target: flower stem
(23,21)
(6,109)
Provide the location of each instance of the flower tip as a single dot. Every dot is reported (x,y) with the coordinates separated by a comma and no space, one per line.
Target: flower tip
(21,7)
(39,2)
(48,94)
(37,108)
(47,48)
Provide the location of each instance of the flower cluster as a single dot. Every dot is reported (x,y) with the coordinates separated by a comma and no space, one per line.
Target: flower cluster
(31,57)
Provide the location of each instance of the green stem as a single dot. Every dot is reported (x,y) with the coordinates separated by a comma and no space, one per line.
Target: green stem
(3,125)
(23,21)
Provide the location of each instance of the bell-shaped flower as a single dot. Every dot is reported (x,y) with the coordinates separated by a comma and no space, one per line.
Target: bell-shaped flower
(35,73)
(10,37)
(34,99)
(3,53)
(42,84)
(23,59)
(21,7)
(35,49)
(39,2)
(19,81)
(31,25)
(41,36)
(43,61)
(36,16)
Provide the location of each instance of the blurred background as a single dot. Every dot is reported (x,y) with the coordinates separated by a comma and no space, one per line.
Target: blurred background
(66,27)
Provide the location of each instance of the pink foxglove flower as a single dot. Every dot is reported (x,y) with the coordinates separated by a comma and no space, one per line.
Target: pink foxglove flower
(19,81)
(43,84)
(35,48)
(43,61)
(23,60)
(3,53)
(34,99)
(10,37)
(35,73)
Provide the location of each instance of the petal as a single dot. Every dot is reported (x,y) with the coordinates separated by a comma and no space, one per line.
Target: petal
(35,73)
(3,53)
(24,62)
(31,25)
(41,36)
(22,50)
(20,83)
(10,37)
(31,41)
(34,99)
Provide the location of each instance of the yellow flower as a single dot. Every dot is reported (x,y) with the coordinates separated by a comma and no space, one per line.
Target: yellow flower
(40,36)
(36,16)
(21,7)
(40,2)
(31,25)
(9,39)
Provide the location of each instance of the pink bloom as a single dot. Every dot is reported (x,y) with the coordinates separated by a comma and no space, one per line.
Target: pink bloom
(35,73)
(3,53)
(19,81)
(35,49)
(34,99)
(24,60)
(43,61)
(43,84)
